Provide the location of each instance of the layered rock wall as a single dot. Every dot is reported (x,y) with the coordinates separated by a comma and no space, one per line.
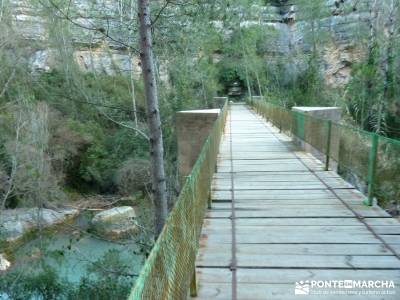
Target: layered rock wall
(342,23)
(93,51)
(99,40)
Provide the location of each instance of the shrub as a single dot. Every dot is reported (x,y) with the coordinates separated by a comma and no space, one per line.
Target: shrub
(42,284)
(105,155)
(133,176)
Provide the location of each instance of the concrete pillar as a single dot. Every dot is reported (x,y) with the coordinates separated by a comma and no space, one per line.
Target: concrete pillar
(329,113)
(192,129)
(219,102)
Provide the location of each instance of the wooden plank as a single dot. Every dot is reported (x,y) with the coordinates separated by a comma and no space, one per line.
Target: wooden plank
(213,291)
(289,212)
(221,291)
(383,221)
(390,239)
(309,210)
(336,207)
(214,275)
(366,211)
(297,249)
(271,167)
(267,176)
(290,276)
(303,261)
(274,194)
(258,162)
(302,222)
(297,222)
(312,201)
(221,186)
(395,247)
(293,238)
(286,291)
(246,229)
(316,249)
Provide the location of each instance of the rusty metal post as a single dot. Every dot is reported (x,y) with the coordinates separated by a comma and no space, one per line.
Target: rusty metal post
(372,169)
(193,284)
(209,200)
(328,146)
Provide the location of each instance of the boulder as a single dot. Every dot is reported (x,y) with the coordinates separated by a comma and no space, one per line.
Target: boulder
(116,223)
(15,223)
(4,263)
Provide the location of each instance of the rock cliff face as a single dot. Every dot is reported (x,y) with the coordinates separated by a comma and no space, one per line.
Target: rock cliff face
(339,25)
(98,43)
(93,51)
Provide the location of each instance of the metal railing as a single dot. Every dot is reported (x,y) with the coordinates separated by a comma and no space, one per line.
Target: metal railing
(169,271)
(368,159)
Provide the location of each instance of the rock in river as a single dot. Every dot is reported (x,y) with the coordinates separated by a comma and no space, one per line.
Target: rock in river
(4,263)
(116,223)
(15,223)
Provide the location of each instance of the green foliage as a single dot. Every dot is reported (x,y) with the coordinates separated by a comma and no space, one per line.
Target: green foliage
(86,148)
(40,284)
(103,157)
(362,92)
(133,175)
(107,278)
(191,70)
(370,103)
(82,95)
(243,57)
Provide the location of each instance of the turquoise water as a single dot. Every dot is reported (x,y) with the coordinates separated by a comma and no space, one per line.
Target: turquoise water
(70,258)
(72,250)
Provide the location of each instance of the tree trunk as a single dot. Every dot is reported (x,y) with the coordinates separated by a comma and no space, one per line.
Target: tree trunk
(135,118)
(153,116)
(248,81)
(247,72)
(203,89)
(373,15)
(259,84)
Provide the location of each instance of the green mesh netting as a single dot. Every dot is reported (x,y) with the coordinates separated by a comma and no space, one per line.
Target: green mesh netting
(387,182)
(351,148)
(167,272)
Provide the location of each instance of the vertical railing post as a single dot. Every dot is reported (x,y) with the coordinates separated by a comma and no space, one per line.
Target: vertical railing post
(209,200)
(292,123)
(193,284)
(373,155)
(303,126)
(328,146)
(210,175)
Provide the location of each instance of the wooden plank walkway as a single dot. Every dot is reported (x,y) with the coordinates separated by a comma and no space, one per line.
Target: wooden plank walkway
(278,218)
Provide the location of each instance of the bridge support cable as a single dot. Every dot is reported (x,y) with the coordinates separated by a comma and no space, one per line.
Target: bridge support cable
(233,265)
